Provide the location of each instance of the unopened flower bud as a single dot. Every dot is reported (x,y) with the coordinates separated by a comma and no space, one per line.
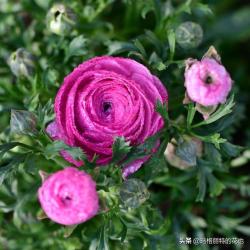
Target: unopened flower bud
(183,155)
(22,63)
(60,19)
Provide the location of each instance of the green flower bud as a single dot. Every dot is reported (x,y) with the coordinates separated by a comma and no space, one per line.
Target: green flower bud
(60,19)
(133,193)
(22,63)
(189,35)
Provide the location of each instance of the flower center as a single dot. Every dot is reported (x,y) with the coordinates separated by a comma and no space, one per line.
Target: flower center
(208,79)
(66,200)
(107,107)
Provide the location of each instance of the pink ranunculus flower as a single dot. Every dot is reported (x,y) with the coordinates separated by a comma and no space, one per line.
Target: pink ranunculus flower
(207,82)
(106,97)
(69,197)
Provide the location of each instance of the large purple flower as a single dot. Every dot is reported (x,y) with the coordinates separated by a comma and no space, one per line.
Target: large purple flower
(103,98)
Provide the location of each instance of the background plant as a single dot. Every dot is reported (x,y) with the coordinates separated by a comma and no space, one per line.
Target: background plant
(160,203)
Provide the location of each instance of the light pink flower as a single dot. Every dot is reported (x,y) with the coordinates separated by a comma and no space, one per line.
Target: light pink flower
(69,197)
(103,98)
(207,82)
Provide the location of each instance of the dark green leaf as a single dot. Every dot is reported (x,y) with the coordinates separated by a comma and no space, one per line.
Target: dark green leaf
(231,150)
(23,122)
(120,149)
(223,110)
(77,47)
(52,150)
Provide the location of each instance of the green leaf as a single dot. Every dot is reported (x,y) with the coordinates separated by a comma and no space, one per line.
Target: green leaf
(7,171)
(4,148)
(204,8)
(230,149)
(215,186)
(171,42)
(123,232)
(45,114)
(223,110)
(52,150)
(103,241)
(140,47)
(243,229)
(77,47)
(156,62)
(215,139)
(120,149)
(202,186)
(196,221)
(213,153)
(185,7)
(23,122)
(191,114)
(162,109)
(148,6)
(68,230)
(142,150)
(116,47)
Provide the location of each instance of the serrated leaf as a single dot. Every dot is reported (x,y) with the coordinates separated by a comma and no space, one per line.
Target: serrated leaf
(45,113)
(23,122)
(162,109)
(223,110)
(214,138)
(142,150)
(120,149)
(7,171)
(77,47)
(52,150)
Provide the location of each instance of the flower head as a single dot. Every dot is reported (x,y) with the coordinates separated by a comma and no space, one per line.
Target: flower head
(207,82)
(103,98)
(60,19)
(69,197)
(22,63)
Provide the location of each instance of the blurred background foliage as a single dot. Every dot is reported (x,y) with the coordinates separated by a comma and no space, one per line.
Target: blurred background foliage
(210,200)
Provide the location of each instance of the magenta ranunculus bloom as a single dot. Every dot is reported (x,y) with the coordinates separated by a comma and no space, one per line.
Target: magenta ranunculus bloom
(207,82)
(103,98)
(69,197)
